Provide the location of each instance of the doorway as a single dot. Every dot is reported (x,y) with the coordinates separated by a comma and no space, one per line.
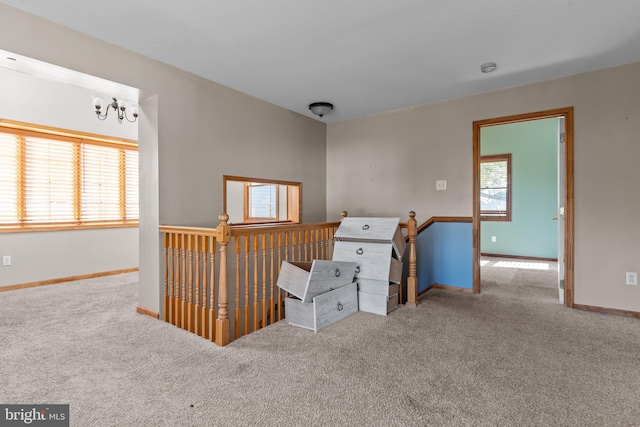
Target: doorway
(565,246)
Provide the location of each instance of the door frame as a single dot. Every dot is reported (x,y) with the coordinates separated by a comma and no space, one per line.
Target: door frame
(567,113)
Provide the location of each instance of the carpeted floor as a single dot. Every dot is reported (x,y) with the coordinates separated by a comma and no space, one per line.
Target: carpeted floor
(511,356)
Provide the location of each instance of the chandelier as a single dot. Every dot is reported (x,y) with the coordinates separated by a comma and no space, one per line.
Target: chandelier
(118,105)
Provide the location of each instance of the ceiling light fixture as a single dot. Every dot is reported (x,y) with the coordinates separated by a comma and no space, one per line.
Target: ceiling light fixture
(488,67)
(117,105)
(321,108)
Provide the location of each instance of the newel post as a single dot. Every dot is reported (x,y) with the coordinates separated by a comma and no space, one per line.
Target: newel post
(412,279)
(223,324)
(343,215)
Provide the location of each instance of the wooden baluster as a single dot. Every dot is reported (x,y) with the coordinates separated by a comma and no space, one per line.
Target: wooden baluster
(223,324)
(176,275)
(172,278)
(412,280)
(204,248)
(236,315)
(293,242)
(323,243)
(246,283)
(165,304)
(279,249)
(300,244)
(287,241)
(178,293)
(264,280)
(317,240)
(326,232)
(279,292)
(272,281)
(183,293)
(190,283)
(255,283)
(197,319)
(305,245)
(211,314)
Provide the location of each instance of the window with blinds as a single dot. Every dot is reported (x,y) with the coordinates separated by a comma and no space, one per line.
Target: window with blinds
(262,202)
(64,179)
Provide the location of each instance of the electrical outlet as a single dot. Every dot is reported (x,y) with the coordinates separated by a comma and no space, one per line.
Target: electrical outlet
(632,278)
(493,239)
(6,260)
(441,185)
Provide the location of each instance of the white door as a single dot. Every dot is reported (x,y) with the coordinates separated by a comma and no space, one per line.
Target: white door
(560,216)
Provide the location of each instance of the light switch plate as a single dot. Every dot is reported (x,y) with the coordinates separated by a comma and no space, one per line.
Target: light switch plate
(441,185)
(6,260)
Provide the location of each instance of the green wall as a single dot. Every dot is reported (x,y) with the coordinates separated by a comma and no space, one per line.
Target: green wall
(533,148)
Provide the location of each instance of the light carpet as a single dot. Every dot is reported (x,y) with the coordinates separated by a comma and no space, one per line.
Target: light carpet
(511,356)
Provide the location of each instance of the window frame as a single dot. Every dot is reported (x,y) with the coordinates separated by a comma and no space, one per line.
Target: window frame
(497,215)
(293,199)
(248,185)
(24,130)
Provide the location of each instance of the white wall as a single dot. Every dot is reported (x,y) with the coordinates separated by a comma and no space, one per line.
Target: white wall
(46,102)
(195,132)
(40,256)
(387,164)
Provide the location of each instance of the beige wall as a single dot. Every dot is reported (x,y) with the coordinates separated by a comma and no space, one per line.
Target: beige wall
(387,164)
(194,131)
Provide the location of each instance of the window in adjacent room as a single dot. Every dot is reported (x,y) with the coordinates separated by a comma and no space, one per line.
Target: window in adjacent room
(256,200)
(495,187)
(57,179)
(261,202)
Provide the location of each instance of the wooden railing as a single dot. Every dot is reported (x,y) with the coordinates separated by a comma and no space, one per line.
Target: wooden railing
(203,266)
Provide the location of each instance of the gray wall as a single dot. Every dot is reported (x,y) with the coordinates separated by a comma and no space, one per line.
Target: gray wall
(38,256)
(192,131)
(391,162)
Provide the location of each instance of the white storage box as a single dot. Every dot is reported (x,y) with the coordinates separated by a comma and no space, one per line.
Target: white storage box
(374,230)
(377,287)
(377,304)
(325,309)
(306,280)
(374,260)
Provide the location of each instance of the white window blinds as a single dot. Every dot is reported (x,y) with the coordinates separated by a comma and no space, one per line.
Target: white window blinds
(100,193)
(132,210)
(48,178)
(8,175)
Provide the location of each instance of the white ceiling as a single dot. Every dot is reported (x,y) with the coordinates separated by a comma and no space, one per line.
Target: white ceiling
(364,56)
